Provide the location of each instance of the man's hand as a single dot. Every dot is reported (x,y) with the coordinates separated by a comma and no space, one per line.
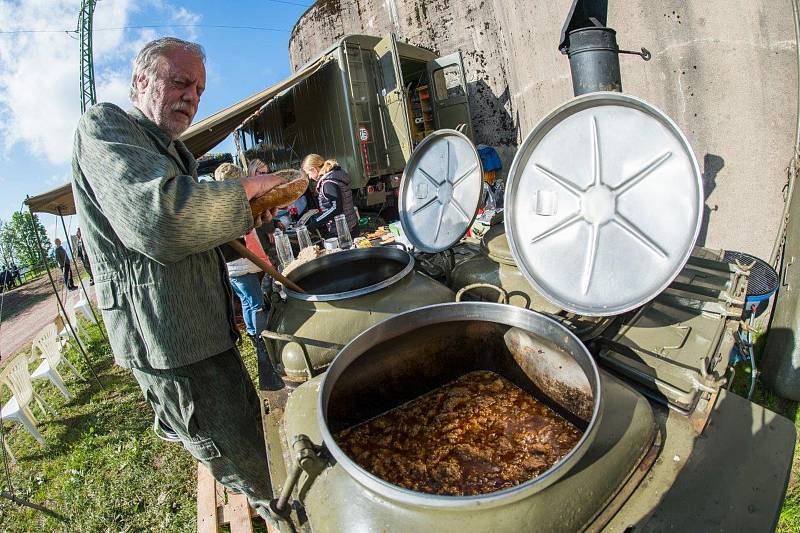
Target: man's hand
(264,217)
(258,185)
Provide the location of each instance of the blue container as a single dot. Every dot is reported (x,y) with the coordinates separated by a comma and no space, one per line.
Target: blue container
(762,282)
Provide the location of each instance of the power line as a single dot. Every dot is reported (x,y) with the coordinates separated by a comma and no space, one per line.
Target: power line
(149,26)
(289,3)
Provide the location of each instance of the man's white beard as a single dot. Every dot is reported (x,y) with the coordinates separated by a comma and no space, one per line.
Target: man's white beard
(151,102)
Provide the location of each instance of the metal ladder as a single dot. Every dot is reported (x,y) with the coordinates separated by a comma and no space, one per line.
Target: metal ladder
(359,97)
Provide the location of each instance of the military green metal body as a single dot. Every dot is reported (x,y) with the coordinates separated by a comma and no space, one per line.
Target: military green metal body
(781,359)
(627,434)
(358,109)
(664,457)
(495,265)
(321,328)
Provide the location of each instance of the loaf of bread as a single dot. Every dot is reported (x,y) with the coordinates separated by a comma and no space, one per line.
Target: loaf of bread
(282,195)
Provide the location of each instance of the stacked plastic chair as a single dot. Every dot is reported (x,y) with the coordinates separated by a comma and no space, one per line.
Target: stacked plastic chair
(16,377)
(48,345)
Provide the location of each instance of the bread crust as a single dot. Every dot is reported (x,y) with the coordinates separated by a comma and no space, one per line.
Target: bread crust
(282,195)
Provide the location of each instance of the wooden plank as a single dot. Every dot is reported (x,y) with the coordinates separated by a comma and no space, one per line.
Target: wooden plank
(212,511)
(240,520)
(226,511)
(206,501)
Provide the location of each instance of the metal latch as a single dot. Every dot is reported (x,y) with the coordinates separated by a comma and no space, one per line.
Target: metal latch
(307,459)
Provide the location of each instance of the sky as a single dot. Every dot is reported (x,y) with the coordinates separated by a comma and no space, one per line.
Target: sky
(40,73)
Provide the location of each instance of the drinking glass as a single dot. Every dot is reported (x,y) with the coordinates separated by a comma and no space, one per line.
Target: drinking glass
(284,248)
(303,238)
(345,240)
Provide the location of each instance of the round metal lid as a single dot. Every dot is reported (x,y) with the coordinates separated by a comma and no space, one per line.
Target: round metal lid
(603,204)
(440,190)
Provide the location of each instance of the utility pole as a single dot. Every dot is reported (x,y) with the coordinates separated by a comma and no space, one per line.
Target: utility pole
(88,96)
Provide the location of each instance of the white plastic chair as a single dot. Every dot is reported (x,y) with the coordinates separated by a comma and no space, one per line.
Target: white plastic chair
(15,376)
(64,333)
(48,345)
(82,306)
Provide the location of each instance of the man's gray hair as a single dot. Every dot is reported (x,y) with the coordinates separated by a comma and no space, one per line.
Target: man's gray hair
(147,59)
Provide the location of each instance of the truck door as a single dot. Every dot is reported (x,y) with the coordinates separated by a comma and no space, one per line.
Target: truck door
(396,126)
(450,105)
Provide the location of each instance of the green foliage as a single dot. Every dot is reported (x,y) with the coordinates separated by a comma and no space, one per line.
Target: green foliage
(6,249)
(18,238)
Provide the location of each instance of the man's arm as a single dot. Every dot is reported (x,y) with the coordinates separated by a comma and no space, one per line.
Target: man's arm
(163,217)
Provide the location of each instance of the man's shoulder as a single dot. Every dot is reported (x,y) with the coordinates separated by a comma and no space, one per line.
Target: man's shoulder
(103,114)
(106,109)
(109,123)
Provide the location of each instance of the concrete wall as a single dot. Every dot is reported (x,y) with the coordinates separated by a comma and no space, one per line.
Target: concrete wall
(724,70)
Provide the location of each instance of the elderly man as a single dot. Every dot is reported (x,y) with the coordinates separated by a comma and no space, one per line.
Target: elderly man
(161,281)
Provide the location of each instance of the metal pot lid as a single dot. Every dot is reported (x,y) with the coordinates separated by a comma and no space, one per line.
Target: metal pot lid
(440,190)
(604,203)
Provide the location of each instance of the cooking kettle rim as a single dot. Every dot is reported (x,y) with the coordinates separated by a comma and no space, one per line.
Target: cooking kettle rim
(404,323)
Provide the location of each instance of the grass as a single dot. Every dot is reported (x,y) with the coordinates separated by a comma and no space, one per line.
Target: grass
(103,469)
(789,521)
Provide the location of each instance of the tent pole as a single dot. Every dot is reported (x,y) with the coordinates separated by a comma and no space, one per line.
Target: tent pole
(60,303)
(19,501)
(80,279)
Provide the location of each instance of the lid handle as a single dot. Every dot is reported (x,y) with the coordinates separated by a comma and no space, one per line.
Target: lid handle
(546,203)
(503,294)
(645,53)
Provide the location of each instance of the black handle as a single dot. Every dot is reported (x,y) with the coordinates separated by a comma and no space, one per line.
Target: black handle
(644,54)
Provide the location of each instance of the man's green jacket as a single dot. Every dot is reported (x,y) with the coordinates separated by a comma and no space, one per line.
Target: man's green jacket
(153,232)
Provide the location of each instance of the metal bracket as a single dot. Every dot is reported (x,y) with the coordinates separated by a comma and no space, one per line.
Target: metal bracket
(303,343)
(307,459)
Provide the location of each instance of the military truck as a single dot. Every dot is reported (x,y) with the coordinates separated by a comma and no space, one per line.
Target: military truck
(368,106)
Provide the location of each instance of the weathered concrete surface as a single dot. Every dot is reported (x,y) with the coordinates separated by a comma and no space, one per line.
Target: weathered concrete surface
(725,71)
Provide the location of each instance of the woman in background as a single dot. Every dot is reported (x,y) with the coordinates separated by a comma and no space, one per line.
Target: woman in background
(333,193)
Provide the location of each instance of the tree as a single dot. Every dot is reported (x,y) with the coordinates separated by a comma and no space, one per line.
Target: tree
(18,234)
(6,248)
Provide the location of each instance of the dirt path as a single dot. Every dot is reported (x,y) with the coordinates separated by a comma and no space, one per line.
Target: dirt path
(27,309)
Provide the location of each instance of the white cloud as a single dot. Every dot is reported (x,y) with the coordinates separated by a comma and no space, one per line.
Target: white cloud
(39,72)
(58,179)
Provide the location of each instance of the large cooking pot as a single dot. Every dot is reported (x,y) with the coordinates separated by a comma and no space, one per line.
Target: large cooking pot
(346,292)
(411,354)
(495,265)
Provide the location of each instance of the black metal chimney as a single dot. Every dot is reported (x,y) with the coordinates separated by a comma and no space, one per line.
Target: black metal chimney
(592,48)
